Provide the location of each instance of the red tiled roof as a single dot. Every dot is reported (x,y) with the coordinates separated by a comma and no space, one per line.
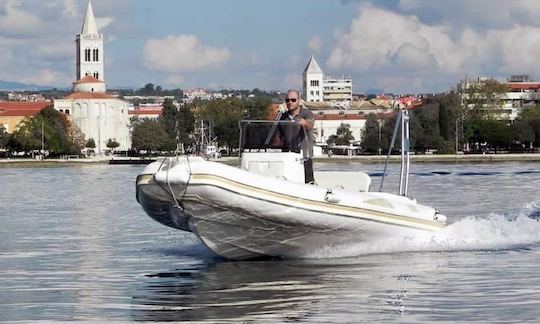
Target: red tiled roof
(20,108)
(88,79)
(88,95)
(145,112)
(524,86)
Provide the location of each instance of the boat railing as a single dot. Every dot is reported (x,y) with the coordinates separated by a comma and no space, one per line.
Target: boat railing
(402,122)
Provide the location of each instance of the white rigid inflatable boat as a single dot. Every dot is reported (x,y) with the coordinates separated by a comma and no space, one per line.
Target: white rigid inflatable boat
(263,208)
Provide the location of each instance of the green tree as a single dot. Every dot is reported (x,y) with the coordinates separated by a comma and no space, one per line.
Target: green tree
(523,133)
(148,135)
(530,113)
(225,114)
(343,136)
(91,144)
(425,128)
(258,107)
(482,99)
(185,126)
(169,122)
(531,116)
(58,134)
(112,144)
(371,142)
(496,134)
(148,89)
(4,137)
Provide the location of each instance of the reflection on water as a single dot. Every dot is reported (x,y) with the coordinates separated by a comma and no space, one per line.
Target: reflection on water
(232,291)
(74,245)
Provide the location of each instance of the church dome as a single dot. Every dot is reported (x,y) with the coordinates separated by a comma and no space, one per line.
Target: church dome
(89,84)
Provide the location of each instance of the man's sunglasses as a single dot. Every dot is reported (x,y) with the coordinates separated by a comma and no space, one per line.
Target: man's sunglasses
(290,99)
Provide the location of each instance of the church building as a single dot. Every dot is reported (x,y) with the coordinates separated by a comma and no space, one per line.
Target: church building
(318,87)
(99,116)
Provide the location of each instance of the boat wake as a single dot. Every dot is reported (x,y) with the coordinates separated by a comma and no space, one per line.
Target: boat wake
(515,229)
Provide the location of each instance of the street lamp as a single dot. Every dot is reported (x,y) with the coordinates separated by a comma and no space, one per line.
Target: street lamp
(380,136)
(42,139)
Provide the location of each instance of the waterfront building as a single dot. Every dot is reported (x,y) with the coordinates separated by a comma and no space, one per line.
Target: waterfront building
(191,94)
(13,112)
(317,87)
(329,118)
(142,112)
(98,115)
(34,97)
(521,92)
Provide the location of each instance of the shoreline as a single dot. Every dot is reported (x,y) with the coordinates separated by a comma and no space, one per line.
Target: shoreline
(436,158)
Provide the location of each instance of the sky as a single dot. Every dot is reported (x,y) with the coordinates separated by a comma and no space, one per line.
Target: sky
(399,46)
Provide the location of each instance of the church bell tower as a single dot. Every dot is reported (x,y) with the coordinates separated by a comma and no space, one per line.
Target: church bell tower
(90,49)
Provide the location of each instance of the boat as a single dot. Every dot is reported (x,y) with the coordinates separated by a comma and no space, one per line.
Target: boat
(263,207)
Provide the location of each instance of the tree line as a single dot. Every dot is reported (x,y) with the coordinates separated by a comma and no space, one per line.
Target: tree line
(176,129)
(48,128)
(466,120)
(455,121)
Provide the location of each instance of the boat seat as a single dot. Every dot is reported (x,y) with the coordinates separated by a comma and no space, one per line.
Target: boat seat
(353,181)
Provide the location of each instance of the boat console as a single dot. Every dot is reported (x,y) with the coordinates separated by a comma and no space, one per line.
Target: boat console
(276,149)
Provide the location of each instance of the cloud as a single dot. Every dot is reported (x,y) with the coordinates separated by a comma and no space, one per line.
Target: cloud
(382,42)
(174,80)
(379,39)
(59,51)
(37,37)
(474,14)
(70,9)
(18,23)
(47,77)
(103,22)
(182,53)
(315,44)
(293,81)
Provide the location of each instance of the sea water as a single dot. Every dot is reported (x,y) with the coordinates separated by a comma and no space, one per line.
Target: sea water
(75,245)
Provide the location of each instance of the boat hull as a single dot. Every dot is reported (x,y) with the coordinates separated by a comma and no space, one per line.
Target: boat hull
(243,218)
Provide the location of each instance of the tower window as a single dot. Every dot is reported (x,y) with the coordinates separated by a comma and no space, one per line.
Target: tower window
(314,83)
(87,55)
(96,75)
(95,55)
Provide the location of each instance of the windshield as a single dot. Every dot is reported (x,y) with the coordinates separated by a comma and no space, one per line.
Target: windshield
(277,136)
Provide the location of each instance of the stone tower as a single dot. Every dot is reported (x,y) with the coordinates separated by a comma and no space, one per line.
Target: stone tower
(90,49)
(313,81)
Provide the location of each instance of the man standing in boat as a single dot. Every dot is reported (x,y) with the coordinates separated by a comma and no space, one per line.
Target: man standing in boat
(304,118)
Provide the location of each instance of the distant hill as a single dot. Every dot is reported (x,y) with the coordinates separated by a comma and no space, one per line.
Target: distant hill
(11,86)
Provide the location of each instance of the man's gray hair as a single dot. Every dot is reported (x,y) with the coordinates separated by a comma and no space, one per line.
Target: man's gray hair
(295,91)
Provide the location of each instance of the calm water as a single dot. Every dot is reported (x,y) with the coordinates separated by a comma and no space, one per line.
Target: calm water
(74,245)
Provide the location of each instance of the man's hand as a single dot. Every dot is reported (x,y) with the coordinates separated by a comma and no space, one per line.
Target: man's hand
(306,123)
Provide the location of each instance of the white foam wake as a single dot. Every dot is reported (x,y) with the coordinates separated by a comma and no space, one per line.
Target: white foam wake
(495,232)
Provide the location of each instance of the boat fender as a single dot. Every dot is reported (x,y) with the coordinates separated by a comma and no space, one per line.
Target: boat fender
(439,217)
(331,197)
(180,176)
